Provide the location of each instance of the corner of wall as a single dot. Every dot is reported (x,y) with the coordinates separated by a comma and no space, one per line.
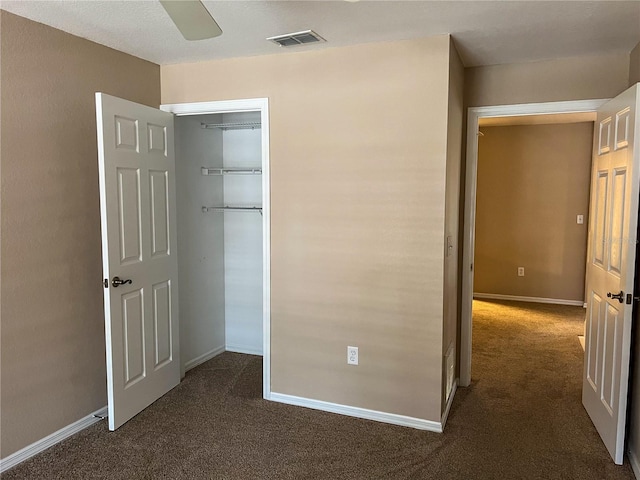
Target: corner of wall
(451,277)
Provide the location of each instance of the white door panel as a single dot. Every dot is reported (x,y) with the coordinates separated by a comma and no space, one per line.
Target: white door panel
(159,184)
(611,268)
(138,208)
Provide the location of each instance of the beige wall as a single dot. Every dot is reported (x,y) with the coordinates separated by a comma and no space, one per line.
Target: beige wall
(53,353)
(358,156)
(634,65)
(452,208)
(358,185)
(532,182)
(576,78)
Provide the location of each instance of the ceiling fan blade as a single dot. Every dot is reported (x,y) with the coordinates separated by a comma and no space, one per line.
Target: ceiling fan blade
(192,19)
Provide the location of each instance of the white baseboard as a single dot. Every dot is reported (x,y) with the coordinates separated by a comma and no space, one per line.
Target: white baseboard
(46,442)
(445,415)
(203,358)
(635,465)
(367,414)
(516,298)
(243,349)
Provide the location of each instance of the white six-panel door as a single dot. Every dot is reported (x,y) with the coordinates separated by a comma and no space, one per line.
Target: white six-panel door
(611,268)
(138,211)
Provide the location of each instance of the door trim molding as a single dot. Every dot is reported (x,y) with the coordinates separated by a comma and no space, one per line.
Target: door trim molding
(50,440)
(235,106)
(392,418)
(468,240)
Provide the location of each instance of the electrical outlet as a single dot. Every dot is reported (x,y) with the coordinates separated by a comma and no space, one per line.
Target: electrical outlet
(352,355)
(521,271)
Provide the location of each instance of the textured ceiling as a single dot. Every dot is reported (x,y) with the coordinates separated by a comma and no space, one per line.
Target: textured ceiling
(486,32)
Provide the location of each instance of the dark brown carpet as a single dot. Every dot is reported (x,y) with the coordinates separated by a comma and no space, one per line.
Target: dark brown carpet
(521,419)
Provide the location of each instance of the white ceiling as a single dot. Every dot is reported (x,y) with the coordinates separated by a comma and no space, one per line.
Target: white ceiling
(486,32)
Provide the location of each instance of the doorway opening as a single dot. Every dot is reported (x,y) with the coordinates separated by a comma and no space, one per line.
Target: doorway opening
(611,256)
(222,182)
(532,204)
(507,113)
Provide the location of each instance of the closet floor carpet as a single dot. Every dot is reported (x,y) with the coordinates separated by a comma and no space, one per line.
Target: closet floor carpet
(521,418)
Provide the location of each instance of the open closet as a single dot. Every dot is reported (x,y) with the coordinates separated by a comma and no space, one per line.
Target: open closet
(184,206)
(220,234)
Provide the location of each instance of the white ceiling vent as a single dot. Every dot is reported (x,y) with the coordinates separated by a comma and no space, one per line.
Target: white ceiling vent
(298,38)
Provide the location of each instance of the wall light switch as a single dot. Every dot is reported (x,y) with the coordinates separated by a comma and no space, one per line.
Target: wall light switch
(580,219)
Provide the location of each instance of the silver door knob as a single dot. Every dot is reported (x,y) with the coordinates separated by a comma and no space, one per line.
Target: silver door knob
(117,281)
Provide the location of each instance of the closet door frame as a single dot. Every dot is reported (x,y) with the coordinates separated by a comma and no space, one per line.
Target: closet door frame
(236,106)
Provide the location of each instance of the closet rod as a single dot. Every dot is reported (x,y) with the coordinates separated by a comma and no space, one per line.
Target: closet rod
(232,126)
(232,209)
(231,171)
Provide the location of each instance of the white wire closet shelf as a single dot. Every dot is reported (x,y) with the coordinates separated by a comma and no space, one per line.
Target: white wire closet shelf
(228,208)
(232,126)
(231,171)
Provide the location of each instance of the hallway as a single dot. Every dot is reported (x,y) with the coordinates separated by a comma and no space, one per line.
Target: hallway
(525,398)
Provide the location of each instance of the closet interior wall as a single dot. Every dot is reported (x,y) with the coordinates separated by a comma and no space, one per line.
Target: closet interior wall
(219,252)
(242,148)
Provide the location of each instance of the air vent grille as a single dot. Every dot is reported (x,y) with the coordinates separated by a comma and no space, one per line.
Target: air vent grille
(298,38)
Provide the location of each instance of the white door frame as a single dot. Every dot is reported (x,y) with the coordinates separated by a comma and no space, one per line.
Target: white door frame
(235,106)
(468,241)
